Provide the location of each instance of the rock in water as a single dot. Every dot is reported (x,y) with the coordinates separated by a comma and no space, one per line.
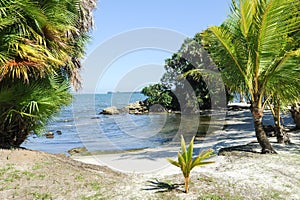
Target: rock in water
(49,135)
(77,150)
(136,108)
(110,111)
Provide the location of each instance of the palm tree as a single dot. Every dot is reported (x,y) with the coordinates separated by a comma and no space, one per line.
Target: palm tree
(186,162)
(28,107)
(38,37)
(253,50)
(39,40)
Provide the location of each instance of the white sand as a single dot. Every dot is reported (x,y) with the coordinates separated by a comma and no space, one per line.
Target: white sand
(239,131)
(253,173)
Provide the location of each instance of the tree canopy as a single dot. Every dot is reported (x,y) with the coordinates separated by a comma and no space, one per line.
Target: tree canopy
(41,44)
(256,53)
(187,91)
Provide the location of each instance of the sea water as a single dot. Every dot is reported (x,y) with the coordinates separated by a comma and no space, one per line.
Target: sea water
(81,125)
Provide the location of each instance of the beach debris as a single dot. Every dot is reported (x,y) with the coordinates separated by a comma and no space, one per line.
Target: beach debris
(270,130)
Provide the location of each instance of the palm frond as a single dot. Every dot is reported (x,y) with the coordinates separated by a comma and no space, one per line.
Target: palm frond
(274,24)
(173,162)
(190,150)
(255,39)
(183,149)
(225,38)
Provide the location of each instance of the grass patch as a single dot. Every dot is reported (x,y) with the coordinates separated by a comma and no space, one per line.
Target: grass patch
(92,197)
(43,196)
(210,197)
(217,197)
(96,186)
(37,166)
(79,178)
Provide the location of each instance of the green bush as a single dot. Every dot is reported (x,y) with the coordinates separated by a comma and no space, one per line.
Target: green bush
(27,107)
(158,94)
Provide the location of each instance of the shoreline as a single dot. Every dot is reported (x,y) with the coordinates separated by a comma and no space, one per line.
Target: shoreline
(150,160)
(145,174)
(234,175)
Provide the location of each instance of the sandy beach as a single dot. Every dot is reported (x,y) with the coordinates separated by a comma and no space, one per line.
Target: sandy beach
(146,174)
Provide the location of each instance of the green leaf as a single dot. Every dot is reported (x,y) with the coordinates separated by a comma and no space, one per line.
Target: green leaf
(173,162)
(181,160)
(183,149)
(203,155)
(190,150)
(203,163)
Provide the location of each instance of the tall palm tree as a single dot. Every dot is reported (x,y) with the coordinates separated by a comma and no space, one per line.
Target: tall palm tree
(39,40)
(253,50)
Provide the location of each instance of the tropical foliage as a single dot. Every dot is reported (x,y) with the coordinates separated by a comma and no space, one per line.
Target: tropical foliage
(158,94)
(256,54)
(186,162)
(41,42)
(191,92)
(27,107)
(188,92)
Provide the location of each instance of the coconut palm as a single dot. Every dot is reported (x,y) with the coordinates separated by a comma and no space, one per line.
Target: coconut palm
(254,50)
(186,162)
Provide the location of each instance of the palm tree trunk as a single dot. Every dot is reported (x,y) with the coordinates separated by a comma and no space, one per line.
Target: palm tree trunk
(14,134)
(261,135)
(186,184)
(295,111)
(282,136)
(242,97)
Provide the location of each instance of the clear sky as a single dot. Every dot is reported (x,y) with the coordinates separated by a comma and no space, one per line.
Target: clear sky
(113,63)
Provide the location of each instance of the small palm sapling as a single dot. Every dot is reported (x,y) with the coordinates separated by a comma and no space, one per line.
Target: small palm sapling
(186,162)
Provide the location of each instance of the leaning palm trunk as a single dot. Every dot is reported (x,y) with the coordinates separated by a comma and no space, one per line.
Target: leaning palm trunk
(261,135)
(282,136)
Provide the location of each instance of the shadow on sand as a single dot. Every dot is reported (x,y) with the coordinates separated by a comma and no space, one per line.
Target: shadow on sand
(161,187)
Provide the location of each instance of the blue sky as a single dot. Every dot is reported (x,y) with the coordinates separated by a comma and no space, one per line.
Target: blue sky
(116,18)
